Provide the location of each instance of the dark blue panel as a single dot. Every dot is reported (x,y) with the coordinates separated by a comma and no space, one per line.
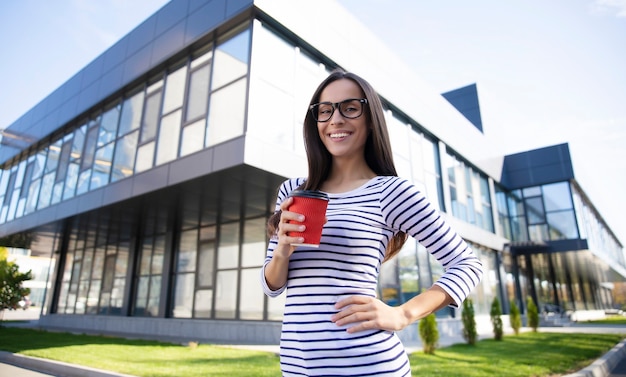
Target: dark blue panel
(234,7)
(111,82)
(136,64)
(205,19)
(168,16)
(537,167)
(568,245)
(88,97)
(54,100)
(68,110)
(465,100)
(168,43)
(114,55)
(39,111)
(117,191)
(72,86)
(195,4)
(141,36)
(92,72)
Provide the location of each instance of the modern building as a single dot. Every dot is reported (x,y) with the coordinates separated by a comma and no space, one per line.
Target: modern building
(148,176)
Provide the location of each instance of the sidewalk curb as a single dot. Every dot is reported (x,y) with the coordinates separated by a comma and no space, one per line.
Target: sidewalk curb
(605,364)
(57,368)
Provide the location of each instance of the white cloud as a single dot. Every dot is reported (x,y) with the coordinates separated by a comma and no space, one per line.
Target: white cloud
(610,6)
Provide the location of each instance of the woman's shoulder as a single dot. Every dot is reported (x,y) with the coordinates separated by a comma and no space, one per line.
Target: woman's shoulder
(392,180)
(289,185)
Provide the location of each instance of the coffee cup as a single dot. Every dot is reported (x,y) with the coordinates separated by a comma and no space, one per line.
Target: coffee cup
(312,204)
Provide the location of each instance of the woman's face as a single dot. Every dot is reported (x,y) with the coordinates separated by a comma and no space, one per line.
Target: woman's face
(343,137)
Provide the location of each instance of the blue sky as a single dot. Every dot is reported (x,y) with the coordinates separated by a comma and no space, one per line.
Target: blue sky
(547,72)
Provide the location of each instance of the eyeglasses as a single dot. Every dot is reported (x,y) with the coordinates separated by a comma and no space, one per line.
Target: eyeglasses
(350,108)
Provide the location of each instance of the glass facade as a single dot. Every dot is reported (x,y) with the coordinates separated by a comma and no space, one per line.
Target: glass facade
(194,104)
(195,251)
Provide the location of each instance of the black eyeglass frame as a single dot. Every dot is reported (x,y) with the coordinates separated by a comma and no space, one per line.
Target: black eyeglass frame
(336,106)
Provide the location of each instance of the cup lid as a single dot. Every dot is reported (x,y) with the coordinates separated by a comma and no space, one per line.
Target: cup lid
(310,194)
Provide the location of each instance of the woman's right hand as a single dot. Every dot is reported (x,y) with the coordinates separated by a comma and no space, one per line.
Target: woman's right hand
(284,248)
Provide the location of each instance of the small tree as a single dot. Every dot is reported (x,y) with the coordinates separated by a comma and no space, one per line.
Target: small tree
(429,333)
(11,279)
(515,318)
(496,319)
(469,322)
(533,314)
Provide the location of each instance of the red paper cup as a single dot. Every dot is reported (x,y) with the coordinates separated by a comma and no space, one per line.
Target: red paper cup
(311,204)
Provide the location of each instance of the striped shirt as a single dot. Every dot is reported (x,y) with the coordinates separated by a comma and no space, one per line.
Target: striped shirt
(360,224)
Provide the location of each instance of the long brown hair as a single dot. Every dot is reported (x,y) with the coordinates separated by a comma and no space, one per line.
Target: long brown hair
(378,154)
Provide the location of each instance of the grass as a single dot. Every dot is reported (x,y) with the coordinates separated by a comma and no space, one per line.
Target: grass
(610,320)
(528,354)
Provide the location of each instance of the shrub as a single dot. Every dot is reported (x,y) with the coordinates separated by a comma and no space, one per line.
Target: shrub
(515,318)
(469,322)
(496,319)
(429,333)
(11,283)
(533,314)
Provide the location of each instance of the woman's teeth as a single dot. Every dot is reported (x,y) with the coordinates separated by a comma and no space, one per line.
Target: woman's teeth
(339,135)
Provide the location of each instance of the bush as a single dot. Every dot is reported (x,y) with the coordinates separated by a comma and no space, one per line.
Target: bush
(515,318)
(533,314)
(496,319)
(469,322)
(429,333)
(12,290)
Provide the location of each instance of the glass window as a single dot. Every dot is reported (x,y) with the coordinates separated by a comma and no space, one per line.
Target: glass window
(145,155)
(193,137)
(151,117)
(206,261)
(231,59)
(130,118)
(188,251)
(64,159)
(174,90)
(183,295)
(251,299)
(102,167)
(226,113)
(562,225)
(90,146)
(124,159)
(75,161)
(198,93)
(228,252)
(203,303)
(253,248)
(53,156)
(108,126)
(557,196)
(46,191)
(225,299)
(534,211)
(169,134)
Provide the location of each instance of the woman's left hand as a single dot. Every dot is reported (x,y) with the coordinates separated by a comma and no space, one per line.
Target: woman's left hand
(368,313)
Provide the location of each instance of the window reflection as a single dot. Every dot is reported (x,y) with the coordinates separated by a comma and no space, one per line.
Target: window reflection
(226,113)
(168,138)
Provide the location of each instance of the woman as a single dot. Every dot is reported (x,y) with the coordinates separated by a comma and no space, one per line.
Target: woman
(333,322)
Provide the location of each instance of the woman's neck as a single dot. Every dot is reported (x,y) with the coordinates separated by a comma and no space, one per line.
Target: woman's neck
(347,176)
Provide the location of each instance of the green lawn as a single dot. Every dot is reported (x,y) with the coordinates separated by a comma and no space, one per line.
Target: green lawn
(525,355)
(610,320)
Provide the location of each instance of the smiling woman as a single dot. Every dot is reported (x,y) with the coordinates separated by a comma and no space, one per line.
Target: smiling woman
(334,323)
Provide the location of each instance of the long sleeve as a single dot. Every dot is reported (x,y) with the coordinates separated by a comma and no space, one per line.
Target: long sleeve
(407,209)
(283,192)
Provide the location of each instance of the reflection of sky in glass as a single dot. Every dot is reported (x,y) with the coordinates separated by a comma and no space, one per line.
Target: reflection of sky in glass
(237,47)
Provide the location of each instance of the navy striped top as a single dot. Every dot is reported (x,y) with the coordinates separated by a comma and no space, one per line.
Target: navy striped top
(360,224)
